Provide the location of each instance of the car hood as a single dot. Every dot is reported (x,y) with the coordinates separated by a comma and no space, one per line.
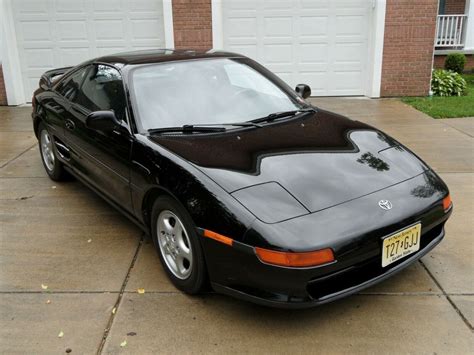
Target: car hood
(318,159)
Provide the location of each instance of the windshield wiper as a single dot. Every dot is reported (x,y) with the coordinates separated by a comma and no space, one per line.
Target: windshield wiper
(273,116)
(203,128)
(237,124)
(187,129)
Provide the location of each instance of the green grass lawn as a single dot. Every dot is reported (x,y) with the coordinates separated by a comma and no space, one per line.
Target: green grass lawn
(446,107)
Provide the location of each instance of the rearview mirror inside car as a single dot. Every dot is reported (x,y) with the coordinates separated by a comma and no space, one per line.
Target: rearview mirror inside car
(303,90)
(102,121)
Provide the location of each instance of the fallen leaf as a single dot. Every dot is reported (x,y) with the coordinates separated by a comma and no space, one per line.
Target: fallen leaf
(48,301)
(61,334)
(131,334)
(89,240)
(53,187)
(114,310)
(44,287)
(123,343)
(141,291)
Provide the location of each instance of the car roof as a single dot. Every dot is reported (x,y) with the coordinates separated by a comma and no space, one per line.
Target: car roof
(162,55)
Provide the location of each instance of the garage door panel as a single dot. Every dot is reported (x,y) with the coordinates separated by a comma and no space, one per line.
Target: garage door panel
(35,31)
(319,80)
(72,30)
(313,27)
(109,50)
(38,58)
(241,27)
(65,6)
(109,29)
(345,82)
(146,29)
(55,33)
(313,53)
(321,43)
(312,4)
(144,5)
(278,27)
(278,54)
(68,56)
(108,5)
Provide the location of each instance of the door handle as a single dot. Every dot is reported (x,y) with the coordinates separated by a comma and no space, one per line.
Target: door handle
(70,125)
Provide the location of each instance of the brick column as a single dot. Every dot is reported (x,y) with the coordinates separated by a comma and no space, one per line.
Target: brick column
(3,93)
(408,47)
(192,22)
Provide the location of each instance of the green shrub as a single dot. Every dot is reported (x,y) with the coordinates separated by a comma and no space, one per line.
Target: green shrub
(455,62)
(447,83)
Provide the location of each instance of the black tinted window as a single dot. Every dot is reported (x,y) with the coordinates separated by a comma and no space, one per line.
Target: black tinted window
(70,85)
(102,90)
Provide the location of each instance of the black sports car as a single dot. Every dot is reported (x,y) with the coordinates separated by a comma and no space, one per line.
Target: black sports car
(237,178)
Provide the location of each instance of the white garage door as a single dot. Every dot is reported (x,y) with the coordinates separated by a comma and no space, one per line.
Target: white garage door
(321,43)
(58,33)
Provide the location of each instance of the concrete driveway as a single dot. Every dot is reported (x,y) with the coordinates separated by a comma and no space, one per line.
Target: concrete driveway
(93,261)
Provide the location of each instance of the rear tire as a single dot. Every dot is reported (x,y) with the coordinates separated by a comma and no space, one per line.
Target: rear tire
(54,168)
(177,244)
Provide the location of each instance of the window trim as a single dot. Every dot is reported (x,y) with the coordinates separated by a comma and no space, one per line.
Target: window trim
(127,121)
(68,76)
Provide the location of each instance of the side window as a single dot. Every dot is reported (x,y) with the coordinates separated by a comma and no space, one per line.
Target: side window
(70,86)
(103,90)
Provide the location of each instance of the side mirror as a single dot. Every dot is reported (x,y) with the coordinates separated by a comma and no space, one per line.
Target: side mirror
(45,83)
(303,90)
(102,121)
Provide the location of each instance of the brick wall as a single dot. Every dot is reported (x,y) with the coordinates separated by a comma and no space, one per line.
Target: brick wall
(408,47)
(192,21)
(439,62)
(3,94)
(455,7)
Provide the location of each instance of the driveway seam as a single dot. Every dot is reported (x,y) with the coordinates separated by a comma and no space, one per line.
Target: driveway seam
(19,155)
(457,129)
(463,317)
(119,298)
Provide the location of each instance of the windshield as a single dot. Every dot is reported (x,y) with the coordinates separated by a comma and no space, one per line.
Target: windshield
(209,91)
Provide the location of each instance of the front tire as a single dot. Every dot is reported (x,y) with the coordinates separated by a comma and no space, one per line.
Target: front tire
(52,165)
(176,241)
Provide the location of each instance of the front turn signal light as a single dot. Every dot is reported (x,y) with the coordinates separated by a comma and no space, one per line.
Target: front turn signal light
(218,237)
(447,202)
(305,259)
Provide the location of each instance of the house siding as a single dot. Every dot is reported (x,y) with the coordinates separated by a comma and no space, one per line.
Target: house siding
(408,47)
(192,22)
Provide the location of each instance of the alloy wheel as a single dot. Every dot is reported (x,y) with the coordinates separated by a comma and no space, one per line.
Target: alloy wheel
(174,243)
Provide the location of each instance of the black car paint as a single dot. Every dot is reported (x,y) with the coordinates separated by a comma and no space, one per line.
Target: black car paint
(336,169)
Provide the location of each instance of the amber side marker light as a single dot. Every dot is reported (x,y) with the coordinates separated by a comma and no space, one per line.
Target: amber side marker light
(219,237)
(306,259)
(447,202)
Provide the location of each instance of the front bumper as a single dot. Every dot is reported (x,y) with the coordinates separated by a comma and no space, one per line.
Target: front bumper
(332,286)
(237,271)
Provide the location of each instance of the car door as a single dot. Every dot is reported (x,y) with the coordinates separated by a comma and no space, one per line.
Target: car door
(102,158)
(57,103)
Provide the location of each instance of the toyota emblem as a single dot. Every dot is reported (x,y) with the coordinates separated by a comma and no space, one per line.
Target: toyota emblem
(385,205)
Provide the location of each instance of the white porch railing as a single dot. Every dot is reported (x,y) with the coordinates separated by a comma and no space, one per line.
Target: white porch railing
(450,31)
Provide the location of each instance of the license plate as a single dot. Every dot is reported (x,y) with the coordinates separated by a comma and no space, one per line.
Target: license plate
(401,244)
